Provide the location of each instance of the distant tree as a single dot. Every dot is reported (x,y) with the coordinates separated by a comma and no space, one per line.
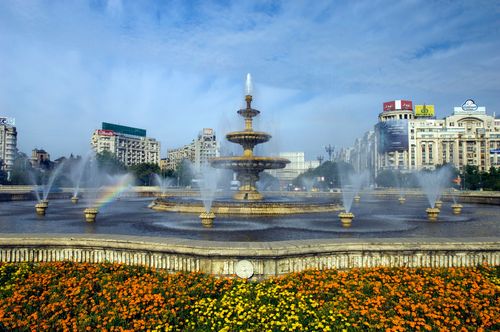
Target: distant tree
(3,174)
(492,181)
(327,175)
(144,173)
(184,173)
(107,162)
(471,177)
(22,173)
(268,182)
(388,178)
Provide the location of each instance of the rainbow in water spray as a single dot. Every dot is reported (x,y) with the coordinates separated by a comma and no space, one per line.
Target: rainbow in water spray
(111,192)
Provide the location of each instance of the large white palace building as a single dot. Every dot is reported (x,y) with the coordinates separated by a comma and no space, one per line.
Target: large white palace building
(410,138)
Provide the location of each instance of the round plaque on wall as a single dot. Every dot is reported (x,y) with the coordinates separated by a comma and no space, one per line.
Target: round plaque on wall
(244,269)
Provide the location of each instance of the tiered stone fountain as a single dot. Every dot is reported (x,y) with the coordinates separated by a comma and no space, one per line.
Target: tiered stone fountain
(247,167)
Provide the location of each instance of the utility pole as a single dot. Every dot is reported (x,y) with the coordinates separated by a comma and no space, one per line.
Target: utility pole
(320,159)
(330,150)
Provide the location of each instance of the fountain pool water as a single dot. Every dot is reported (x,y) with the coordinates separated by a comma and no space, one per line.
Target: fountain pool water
(375,218)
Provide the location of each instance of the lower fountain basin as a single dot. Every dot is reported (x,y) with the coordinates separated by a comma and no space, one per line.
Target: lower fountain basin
(268,207)
(253,163)
(375,218)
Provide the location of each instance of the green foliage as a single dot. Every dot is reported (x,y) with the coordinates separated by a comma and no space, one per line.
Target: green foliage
(21,170)
(268,182)
(327,175)
(108,163)
(474,179)
(144,173)
(3,174)
(184,173)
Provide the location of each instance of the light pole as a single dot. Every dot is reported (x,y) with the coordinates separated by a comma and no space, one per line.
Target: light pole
(329,149)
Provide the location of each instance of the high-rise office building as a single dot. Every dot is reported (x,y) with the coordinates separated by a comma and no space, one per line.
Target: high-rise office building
(130,145)
(198,152)
(8,143)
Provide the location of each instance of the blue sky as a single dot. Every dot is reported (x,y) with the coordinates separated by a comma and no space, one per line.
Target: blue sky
(321,69)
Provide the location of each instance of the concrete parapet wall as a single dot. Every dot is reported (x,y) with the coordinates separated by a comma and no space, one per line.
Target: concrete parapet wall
(267,258)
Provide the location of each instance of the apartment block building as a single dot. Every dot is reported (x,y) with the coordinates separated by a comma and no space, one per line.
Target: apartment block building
(130,145)
(8,143)
(198,152)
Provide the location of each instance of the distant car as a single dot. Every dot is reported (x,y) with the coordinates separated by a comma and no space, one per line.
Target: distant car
(235,185)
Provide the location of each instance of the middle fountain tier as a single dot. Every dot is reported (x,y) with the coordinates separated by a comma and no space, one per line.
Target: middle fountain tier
(247,167)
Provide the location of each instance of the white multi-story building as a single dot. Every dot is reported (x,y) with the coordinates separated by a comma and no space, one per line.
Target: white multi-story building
(129,145)
(467,137)
(412,140)
(198,152)
(8,143)
(297,166)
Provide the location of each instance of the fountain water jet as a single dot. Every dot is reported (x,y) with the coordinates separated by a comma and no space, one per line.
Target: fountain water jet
(208,188)
(350,188)
(76,176)
(163,183)
(42,201)
(433,184)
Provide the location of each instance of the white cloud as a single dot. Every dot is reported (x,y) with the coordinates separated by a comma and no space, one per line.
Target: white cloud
(321,69)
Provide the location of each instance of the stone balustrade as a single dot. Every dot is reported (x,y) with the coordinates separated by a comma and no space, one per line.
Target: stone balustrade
(267,258)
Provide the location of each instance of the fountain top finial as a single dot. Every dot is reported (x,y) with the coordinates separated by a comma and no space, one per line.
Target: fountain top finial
(248,89)
(248,85)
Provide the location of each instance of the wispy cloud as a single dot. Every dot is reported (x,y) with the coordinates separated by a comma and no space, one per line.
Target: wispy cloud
(321,68)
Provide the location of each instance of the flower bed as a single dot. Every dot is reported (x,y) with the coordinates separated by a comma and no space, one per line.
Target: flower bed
(80,296)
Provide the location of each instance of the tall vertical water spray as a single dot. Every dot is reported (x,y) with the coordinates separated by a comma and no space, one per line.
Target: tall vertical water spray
(76,175)
(163,183)
(351,185)
(208,188)
(432,184)
(43,202)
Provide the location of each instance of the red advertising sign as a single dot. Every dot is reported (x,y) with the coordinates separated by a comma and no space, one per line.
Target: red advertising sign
(397,105)
(406,105)
(389,106)
(105,132)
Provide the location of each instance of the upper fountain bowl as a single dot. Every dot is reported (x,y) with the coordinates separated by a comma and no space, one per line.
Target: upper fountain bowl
(248,137)
(253,163)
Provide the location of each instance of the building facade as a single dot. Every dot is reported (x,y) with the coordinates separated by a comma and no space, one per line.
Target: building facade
(297,166)
(129,145)
(412,139)
(40,158)
(8,143)
(198,152)
(467,137)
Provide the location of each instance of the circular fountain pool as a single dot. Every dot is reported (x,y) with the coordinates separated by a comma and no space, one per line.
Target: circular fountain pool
(375,218)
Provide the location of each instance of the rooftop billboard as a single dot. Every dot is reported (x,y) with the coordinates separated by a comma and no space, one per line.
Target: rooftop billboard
(469,107)
(105,132)
(424,111)
(7,121)
(392,136)
(124,129)
(397,105)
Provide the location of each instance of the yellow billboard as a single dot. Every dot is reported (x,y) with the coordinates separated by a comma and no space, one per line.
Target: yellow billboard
(424,110)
